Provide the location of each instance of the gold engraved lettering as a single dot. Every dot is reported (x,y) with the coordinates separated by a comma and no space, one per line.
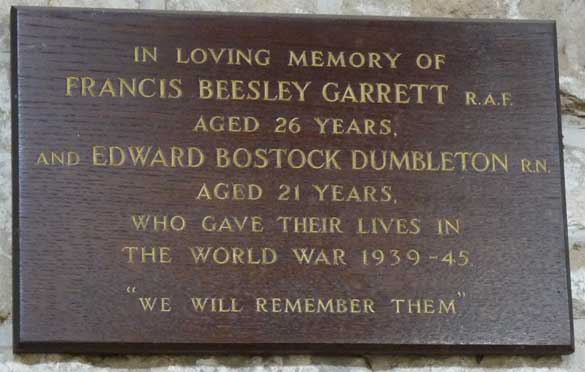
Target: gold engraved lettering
(148,87)
(319,257)
(162,304)
(277,158)
(397,93)
(148,255)
(232,224)
(63,158)
(343,59)
(358,194)
(379,225)
(310,305)
(338,126)
(233,255)
(423,306)
(216,305)
(310,225)
(227,56)
(226,191)
(231,124)
(253,90)
(147,222)
(145,54)
(429,161)
(147,156)
(535,166)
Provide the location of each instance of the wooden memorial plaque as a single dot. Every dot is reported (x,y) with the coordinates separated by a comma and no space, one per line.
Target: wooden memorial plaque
(282,184)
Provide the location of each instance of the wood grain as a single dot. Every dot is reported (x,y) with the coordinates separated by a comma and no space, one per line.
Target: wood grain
(70,223)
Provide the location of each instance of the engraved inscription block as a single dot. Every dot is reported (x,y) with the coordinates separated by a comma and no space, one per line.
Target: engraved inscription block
(198,182)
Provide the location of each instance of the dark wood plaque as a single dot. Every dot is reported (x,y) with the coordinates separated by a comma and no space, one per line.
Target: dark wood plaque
(283,184)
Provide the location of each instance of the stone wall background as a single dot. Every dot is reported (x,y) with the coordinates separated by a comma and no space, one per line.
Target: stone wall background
(570,17)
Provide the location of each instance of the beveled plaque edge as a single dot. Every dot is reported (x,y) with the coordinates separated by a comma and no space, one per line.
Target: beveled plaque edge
(14,96)
(563,192)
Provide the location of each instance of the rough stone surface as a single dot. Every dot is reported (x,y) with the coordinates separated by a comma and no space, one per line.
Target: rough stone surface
(374,7)
(570,17)
(124,4)
(461,8)
(299,6)
(574,140)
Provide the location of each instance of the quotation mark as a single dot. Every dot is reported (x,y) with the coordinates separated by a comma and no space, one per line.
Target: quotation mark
(460,294)
(131,289)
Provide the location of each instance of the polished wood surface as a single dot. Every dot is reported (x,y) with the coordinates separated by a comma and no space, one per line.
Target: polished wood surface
(76,292)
